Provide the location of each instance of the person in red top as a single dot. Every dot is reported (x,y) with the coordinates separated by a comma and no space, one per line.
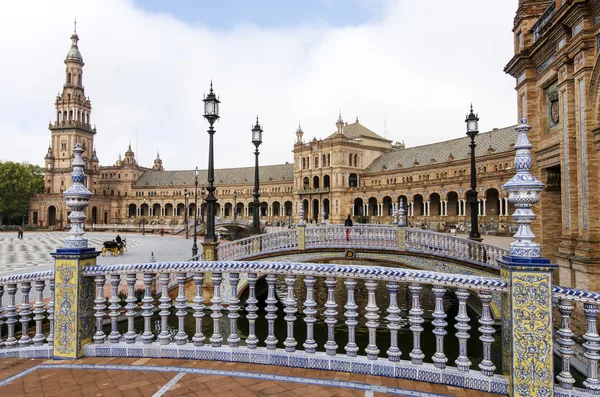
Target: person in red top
(348,222)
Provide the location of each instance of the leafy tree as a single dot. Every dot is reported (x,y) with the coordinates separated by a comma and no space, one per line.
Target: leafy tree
(18,182)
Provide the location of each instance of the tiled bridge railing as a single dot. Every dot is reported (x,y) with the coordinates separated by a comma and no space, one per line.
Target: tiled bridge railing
(357,237)
(224,341)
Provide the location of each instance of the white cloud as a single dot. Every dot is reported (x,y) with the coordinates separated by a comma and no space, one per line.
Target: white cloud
(419,67)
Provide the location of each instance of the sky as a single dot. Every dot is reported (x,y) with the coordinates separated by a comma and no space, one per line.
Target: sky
(409,71)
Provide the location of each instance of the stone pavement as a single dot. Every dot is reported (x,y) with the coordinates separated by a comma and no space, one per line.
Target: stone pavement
(32,252)
(169,377)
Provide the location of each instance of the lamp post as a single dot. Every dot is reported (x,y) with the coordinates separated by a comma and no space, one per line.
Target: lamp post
(211,114)
(143,219)
(256,140)
(185,216)
(472,130)
(203,192)
(195,246)
(234,204)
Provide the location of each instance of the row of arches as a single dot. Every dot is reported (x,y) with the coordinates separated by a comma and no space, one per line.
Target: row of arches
(224,210)
(490,204)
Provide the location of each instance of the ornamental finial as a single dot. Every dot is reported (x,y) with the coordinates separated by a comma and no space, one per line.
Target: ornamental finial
(524,191)
(401,213)
(77,197)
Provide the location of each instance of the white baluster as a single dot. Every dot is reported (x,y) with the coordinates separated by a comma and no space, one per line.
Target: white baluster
(393,352)
(487,330)
(462,320)
(290,311)
(372,320)
(233,339)
(439,322)
(198,307)
(309,312)
(24,314)
(39,311)
(592,349)
(330,313)
(50,337)
(181,306)
(100,307)
(271,309)
(566,343)
(415,320)
(252,340)
(351,315)
(216,307)
(114,307)
(130,306)
(147,306)
(165,309)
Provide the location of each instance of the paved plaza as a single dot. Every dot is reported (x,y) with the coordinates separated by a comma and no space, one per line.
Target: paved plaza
(32,252)
(114,377)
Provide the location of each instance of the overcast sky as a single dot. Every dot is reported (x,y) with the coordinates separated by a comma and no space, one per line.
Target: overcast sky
(408,69)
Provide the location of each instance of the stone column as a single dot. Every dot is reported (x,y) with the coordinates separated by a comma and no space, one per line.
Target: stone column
(74,294)
(527,323)
(483,201)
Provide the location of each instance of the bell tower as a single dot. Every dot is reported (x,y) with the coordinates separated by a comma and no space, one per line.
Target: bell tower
(71,126)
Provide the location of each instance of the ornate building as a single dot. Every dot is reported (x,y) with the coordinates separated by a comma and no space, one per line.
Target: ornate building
(557,71)
(353,170)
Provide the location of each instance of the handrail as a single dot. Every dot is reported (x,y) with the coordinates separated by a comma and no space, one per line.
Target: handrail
(318,269)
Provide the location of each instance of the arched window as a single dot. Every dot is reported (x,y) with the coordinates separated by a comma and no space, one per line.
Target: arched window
(355,160)
(350,159)
(69,78)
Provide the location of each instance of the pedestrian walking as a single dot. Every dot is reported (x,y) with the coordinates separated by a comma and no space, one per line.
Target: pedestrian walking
(348,222)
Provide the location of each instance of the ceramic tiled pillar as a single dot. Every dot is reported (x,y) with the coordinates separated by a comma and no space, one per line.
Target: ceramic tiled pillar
(74,299)
(527,328)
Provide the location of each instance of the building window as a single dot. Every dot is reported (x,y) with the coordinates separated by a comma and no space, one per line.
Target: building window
(519,41)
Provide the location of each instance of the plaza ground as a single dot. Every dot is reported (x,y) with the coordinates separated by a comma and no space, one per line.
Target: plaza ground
(32,252)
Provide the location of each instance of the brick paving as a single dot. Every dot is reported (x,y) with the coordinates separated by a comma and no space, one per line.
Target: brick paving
(123,381)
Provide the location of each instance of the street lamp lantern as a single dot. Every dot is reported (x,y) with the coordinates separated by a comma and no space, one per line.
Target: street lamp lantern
(256,140)
(234,204)
(143,219)
(472,130)
(211,114)
(185,219)
(195,246)
(257,134)
(472,121)
(211,106)
(203,193)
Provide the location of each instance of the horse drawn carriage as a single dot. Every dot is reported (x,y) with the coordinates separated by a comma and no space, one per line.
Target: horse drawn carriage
(114,248)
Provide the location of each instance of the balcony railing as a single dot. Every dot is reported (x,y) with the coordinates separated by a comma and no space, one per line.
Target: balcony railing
(313,190)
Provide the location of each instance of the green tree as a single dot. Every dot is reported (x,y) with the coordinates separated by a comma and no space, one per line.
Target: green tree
(18,182)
